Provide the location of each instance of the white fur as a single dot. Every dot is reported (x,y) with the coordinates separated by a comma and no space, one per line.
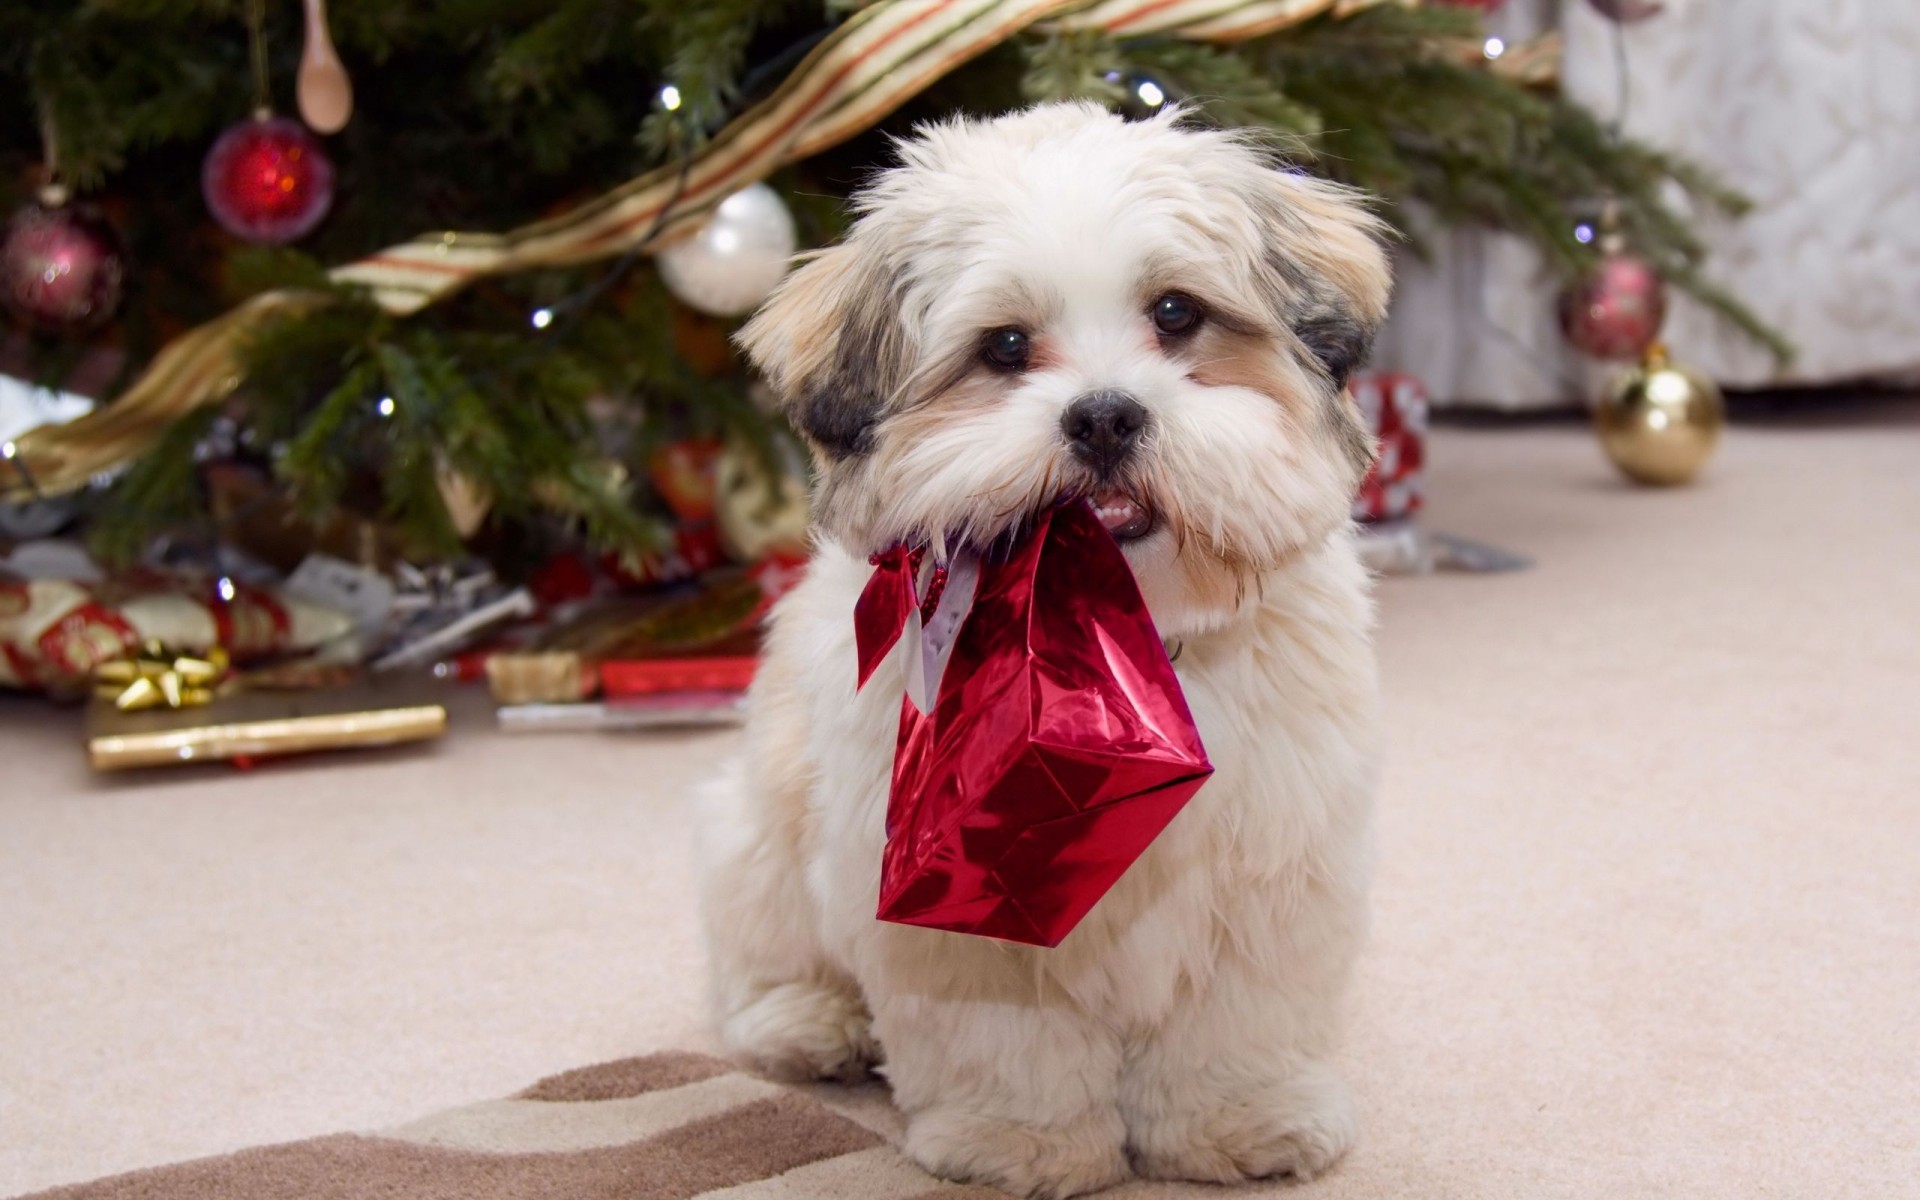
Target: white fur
(1182,1031)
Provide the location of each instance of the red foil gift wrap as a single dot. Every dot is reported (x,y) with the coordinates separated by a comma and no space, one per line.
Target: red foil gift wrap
(1057,743)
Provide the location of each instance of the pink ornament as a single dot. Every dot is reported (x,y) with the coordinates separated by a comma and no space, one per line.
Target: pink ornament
(1616,310)
(1627,11)
(268,180)
(62,267)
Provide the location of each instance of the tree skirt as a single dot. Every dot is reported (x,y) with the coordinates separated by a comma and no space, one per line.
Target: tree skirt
(664,1127)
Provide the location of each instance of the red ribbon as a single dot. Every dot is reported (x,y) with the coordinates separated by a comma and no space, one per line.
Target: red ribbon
(881,612)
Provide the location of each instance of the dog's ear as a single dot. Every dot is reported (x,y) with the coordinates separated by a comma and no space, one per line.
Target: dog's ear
(830,343)
(1324,248)
(1329,281)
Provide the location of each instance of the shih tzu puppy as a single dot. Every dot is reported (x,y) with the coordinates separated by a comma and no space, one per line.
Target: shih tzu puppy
(1155,317)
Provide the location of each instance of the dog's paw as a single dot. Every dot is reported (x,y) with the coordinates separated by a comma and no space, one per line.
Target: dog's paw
(1044,1163)
(1299,1126)
(804,1031)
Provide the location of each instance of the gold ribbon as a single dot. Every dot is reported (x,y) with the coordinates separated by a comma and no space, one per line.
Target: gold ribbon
(864,69)
(153,678)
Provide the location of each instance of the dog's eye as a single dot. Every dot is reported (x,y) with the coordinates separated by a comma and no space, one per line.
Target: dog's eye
(1007,349)
(1175,314)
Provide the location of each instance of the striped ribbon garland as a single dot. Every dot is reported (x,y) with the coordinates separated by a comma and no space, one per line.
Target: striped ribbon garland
(864,69)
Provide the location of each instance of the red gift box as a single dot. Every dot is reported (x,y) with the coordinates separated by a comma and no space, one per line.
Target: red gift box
(651,676)
(1051,743)
(1395,407)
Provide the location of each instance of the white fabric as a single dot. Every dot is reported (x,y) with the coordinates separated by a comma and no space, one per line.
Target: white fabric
(1812,107)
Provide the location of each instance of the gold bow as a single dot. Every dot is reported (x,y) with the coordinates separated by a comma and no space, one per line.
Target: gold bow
(152,678)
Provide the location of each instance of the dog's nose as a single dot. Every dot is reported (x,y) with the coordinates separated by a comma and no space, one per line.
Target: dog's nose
(1104,427)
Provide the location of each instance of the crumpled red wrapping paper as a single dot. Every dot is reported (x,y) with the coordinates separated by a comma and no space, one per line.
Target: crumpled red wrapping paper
(1057,744)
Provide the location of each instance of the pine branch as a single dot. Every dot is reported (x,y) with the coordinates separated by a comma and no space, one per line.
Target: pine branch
(160,491)
(554,53)
(707,44)
(1073,65)
(1228,88)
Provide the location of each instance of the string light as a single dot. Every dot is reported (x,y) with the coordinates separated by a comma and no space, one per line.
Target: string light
(1494,48)
(1150,93)
(542,317)
(1583,233)
(386,406)
(226,589)
(670,98)
(8,450)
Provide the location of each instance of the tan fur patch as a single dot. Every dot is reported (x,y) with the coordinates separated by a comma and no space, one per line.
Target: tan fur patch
(1224,358)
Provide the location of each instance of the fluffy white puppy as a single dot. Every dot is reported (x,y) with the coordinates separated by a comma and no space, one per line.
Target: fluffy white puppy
(1060,303)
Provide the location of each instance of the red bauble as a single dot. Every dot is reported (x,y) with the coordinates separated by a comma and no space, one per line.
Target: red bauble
(1615,310)
(1627,11)
(268,180)
(62,267)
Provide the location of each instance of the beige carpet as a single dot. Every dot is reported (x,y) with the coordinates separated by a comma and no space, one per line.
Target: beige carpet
(1648,921)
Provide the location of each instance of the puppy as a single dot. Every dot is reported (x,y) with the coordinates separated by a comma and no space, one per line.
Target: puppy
(1054,304)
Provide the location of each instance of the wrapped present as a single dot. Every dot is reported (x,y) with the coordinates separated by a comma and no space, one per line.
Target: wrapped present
(1395,407)
(1043,742)
(540,677)
(672,710)
(652,676)
(721,616)
(439,609)
(682,474)
(250,724)
(695,641)
(761,502)
(55,632)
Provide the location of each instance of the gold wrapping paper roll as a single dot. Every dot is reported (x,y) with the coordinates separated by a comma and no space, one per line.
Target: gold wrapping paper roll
(260,724)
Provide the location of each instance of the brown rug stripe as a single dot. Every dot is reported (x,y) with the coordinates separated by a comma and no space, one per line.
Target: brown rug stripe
(750,1146)
(627,1077)
(753,1142)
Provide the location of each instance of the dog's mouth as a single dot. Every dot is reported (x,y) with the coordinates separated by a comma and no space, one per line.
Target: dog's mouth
(1126,519)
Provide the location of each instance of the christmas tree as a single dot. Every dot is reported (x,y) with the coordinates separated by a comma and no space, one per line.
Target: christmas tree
(474,312)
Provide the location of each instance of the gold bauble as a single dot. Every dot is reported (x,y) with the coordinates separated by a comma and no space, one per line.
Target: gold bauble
(1659,422)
